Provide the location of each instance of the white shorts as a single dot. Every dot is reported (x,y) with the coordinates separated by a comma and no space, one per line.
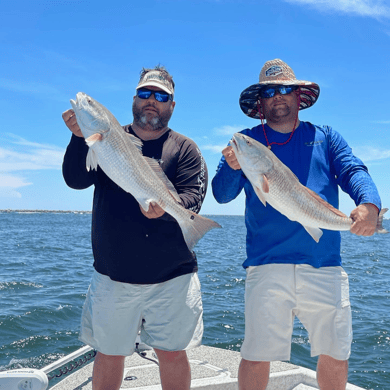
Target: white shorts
(169,315)
(276,293)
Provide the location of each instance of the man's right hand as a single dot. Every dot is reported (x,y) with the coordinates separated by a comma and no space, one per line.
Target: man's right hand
(69,118)
(230,158)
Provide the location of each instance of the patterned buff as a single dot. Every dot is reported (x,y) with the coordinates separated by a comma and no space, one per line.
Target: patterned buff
(276,72)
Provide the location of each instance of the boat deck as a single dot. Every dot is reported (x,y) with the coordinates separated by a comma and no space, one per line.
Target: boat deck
(211,369)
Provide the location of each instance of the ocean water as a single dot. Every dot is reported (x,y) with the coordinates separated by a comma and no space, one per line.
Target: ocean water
(46,265)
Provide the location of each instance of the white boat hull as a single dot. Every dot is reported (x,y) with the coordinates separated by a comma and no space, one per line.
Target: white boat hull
(211,369)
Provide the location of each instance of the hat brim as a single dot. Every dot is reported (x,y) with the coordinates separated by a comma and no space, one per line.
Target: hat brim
(249,96)
(151,83)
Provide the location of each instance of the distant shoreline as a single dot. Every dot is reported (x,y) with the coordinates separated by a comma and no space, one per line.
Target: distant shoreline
(47,211)
(22,211)
(90,212)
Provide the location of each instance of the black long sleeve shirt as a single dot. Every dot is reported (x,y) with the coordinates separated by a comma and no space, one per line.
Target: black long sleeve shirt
(127,246)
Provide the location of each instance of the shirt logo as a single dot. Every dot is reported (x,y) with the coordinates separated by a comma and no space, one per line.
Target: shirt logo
(314,143)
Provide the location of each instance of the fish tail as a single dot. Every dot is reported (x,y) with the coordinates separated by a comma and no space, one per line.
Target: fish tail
(379,226)
(195,227)
(92,161)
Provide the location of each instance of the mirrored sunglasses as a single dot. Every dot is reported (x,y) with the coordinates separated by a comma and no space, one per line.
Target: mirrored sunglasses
(268,92)
(160,96)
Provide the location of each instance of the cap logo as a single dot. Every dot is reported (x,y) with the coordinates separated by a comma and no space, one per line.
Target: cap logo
(156,76)
(273,71)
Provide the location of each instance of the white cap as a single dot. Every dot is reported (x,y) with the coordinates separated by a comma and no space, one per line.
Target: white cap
(155,78)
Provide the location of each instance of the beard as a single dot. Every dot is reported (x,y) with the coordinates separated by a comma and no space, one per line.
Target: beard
(154,122)
(279,112)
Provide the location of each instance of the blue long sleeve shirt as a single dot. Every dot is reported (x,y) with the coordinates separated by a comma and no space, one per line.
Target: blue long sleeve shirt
(322,161)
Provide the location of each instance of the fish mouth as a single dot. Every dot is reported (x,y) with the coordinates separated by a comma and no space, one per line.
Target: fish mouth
(77,104)
(234,144)
(82,100)
(73,104)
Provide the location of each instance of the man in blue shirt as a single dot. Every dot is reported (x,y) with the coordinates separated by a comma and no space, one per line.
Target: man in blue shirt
(288,273)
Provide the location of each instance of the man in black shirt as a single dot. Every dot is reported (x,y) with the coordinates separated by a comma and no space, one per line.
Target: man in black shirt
(145,276)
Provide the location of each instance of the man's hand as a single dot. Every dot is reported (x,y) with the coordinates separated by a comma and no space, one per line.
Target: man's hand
(230,157)
(155,211)
(69,118)
(364,218)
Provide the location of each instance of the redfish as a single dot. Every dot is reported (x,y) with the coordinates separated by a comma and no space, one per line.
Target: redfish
(119,155)
(276,184)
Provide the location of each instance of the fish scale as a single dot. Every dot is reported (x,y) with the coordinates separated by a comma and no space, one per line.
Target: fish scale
(301,200)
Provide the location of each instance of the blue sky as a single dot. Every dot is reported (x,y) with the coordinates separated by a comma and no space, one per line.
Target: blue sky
(50,50)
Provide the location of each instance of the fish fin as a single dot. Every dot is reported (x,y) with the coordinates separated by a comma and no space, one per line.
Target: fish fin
(144,203)
(325,203)
(315,233)
(92,161)
(379,228)
(194,227)
(260,195)
(156,167)
(265,184)
(136,141)
(93,138)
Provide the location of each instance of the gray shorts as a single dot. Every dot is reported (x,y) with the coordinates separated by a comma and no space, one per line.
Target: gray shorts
(276,293)
(169,315)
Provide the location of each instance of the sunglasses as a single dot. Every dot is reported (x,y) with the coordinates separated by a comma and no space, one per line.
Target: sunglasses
(269,92)
(160,96)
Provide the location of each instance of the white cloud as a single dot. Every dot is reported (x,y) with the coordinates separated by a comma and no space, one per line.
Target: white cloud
(18,156)
(224,131)
(17,140)
(11,161)
(28,87)
(369,153)
(228,130)
(6,192)
(382,122)
(12,181)
(8,185)
(371,8)
(214,148)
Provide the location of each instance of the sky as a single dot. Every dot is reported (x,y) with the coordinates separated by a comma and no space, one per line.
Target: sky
(50,50)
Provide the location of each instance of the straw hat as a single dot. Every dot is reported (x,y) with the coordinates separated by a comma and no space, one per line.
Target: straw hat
(276,72)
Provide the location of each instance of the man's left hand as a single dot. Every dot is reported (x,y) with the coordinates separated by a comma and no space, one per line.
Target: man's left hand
(155,211)
(364,218)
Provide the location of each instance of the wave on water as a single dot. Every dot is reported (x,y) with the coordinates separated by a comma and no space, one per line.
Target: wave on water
(19,285)
(46,268)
